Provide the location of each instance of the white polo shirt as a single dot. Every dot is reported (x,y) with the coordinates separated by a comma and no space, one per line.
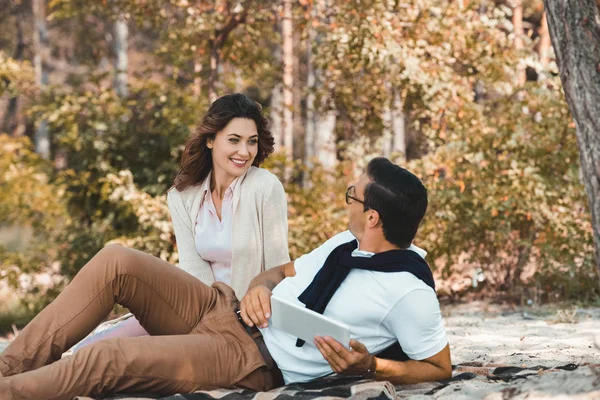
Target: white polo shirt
(379,307)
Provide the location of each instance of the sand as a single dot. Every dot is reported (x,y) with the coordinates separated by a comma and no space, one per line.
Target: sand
(487,336)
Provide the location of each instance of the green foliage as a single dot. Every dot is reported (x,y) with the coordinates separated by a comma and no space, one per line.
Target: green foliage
(15,77)
(316,206)
(29,200)
(508,196)
(500,161)
(122,157)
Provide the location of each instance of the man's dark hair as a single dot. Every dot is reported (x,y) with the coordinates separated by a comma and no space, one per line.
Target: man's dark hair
(399,197)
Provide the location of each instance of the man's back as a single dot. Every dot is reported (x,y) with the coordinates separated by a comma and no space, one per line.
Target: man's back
(379,307)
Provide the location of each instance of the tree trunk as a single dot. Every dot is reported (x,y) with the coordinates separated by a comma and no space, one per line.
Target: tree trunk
(325,136)
(40,43)
(276,113)
(121,60)
(309,135)
(326,118)
(197,77)
(288,79)
(517,21)
(213,75)
(11,123)
(575,32)
(276,106)
(218,40)
(394,129)
(398,124)
(297,90)
(544,46)
(386,120)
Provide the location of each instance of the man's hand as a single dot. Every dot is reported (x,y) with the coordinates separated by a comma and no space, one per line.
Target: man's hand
(255,307)
(343,361)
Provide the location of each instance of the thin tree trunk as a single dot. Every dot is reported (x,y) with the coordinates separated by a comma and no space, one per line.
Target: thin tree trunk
(276,106)
(276,113)
(394,129)
(197,77)
(386,120)
(121,59)
(575,32)
(309,138)
(288,79)
(10,123)
(545,44)
(297,94)
(517,21)
(325,136)
(217,42)
(213,75)
(398,124)
(40,43)
(325,121)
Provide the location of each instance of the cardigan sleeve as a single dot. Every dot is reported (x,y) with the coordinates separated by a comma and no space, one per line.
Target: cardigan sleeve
(189,259)
(275,227)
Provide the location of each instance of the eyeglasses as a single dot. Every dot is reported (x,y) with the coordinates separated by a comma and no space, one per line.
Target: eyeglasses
(350,195)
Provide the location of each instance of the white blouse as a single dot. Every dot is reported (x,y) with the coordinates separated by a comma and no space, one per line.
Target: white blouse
(213,235)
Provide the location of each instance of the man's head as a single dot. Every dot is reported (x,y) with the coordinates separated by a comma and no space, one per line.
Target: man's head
(387,202)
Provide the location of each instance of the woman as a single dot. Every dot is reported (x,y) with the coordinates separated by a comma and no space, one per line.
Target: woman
(229,216)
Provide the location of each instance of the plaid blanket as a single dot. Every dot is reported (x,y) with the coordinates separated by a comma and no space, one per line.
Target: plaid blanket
(506,380)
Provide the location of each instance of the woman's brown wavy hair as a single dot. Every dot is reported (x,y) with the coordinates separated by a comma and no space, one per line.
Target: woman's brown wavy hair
(196,161)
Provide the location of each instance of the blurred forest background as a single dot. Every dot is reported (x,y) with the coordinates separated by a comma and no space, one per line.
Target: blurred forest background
(99,97)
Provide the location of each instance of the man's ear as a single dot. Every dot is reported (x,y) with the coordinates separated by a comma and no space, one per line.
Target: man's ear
(373,219)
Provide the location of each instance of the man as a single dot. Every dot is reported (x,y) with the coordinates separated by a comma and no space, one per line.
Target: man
(383,291)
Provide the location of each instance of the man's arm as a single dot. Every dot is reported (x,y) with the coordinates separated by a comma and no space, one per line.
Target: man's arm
(359,361)
(434,368)
(255,307)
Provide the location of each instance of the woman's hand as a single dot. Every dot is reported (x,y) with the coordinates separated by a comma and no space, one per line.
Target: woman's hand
(255,307)
(357,361)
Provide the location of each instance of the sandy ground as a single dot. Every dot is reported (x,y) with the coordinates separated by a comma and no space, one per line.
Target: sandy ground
(484,336)
(488,335)
(495,334)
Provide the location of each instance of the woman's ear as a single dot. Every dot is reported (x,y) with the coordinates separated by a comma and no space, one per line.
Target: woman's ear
(209,143)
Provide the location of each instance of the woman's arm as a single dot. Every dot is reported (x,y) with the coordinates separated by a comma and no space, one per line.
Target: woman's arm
(255,307)
(189,259)
(275,227)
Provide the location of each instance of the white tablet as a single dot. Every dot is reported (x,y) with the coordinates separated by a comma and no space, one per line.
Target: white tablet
(305,324)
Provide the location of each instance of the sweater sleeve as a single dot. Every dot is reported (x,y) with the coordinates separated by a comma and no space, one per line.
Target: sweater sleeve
(275,227)
(189,259)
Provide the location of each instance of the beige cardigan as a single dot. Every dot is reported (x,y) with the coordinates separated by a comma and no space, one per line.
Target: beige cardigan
(260,228)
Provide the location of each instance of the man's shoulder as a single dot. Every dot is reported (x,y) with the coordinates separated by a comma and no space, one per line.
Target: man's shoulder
(338,239)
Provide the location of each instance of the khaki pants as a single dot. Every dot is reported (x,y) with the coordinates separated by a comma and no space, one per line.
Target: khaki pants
(197,341)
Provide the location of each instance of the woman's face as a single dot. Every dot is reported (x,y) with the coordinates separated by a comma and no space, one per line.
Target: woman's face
(235,147)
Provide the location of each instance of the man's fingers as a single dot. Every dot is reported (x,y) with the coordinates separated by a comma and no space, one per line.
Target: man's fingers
(337,346)
(259,319)
(255,307)
(265,302)
(335,356)
(327,354)
(358,346)
(244,316)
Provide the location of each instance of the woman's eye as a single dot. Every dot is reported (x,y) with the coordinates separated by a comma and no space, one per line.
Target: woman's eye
(253,141)
(233,140)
